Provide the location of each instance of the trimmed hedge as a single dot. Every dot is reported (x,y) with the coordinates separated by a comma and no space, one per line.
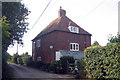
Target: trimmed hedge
(103,62)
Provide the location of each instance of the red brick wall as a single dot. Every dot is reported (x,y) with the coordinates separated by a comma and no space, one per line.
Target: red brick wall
(60,41)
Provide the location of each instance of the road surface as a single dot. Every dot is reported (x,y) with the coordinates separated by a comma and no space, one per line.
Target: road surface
(27,72)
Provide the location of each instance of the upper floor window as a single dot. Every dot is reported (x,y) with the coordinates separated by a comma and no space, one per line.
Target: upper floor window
(74,46)
(38,43)
(73,29)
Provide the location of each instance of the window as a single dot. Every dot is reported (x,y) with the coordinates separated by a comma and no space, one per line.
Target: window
(73,29)
(33,45)
(38,58)
(74,46)
(38,43)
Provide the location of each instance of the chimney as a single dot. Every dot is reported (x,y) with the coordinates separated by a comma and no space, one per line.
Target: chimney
(61,12)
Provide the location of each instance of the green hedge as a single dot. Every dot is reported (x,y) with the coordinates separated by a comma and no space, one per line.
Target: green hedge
(103,62)
(61,66)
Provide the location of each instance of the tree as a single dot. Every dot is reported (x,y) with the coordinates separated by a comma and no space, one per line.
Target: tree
(13,25)
(16,14)
(114,39)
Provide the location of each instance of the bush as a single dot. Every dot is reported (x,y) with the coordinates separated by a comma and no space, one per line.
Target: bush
(20,61)
(29,62)
(14,58)
(53,66)
(103,62)
(81,67)
(65,60)
(26,60)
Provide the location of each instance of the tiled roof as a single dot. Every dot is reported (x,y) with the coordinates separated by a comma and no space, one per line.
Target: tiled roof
(61,23)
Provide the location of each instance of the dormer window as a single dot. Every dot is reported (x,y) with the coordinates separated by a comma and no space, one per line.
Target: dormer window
(73,29)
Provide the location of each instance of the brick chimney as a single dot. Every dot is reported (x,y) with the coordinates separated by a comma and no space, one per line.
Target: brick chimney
(61,12)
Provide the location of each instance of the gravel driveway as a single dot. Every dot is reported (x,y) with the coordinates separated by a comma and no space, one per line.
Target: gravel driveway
(27,72)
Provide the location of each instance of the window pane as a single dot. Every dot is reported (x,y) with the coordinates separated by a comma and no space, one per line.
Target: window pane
(38,43)
(71,28)
(74,46)
(70,46)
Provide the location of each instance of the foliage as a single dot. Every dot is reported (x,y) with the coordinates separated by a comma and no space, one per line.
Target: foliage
(19,60)
(81,68)
(5,33)
(13,27)
(53,66)
(26,59)
(65,60)
(114,39)
(39,64)
(61,66)
(29,61)
(14,58)
(16,14)
(103,62)
(95,43)
(81,65)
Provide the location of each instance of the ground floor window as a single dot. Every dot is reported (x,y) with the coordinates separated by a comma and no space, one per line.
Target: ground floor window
(74,47)
(38,58)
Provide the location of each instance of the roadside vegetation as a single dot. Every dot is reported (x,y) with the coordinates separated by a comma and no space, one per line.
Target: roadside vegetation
(101,61)
(13,24)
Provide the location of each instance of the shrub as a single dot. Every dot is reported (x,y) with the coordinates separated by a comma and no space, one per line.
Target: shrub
(65,60)
(53,66)
(81,67)
(25,60)
(103,62)
(29,62)
(20,61)
(14,58)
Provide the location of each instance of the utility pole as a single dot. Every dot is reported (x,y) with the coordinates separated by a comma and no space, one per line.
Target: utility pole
(119,17)
(17,49)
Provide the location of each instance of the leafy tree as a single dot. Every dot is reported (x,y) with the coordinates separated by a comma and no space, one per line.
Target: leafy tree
(114,39)
(13,25)
(16,14)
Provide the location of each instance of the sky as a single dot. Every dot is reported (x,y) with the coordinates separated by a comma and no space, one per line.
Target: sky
(98,17)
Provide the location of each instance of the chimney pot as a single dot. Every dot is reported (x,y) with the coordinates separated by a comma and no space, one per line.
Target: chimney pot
(61,12)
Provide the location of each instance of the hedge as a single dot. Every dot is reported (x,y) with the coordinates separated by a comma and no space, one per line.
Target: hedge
(103,62)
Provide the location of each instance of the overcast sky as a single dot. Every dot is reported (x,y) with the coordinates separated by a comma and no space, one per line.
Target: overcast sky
(98,17)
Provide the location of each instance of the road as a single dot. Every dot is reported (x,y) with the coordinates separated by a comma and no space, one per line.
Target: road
(27,72)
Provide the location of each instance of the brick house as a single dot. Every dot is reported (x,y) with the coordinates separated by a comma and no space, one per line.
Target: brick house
(61,35)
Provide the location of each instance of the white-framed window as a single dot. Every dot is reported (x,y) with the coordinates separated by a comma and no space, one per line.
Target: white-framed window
(73,29)
(38,43)
(38,58)
(33,45)
(74,47)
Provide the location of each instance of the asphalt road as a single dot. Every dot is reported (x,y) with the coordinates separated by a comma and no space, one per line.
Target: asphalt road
(27,72)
